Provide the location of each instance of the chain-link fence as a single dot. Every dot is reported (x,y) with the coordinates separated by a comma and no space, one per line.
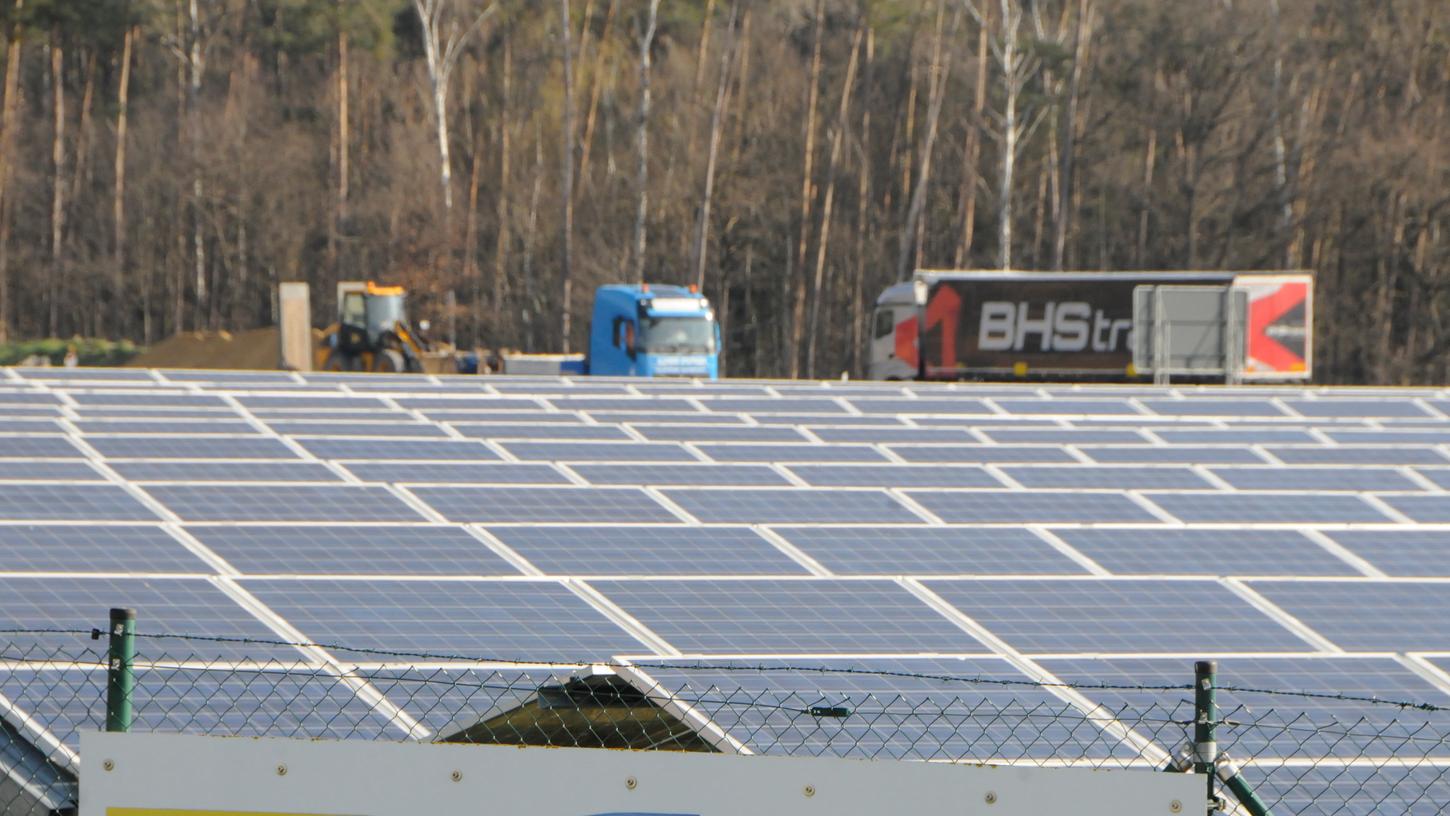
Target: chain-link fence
(1298,752)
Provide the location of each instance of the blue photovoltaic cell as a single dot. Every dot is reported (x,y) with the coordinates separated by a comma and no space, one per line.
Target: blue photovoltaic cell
(1107,476)
(1067,406)
(457,473)
(833,420)
(190,447)
(357,549)
(568,403)
(93,548)
(788,405)
(531,417)
(231,379)
(216,424)
(719,433)
(1213,407)
(1337,407)
(647,551)
(1405,455)
(1267,508)
(664,418)
(1429,509)
(159,397)
(1125,615)
(1140,454)
(1205,552)
(502,620)
(38,447)
(792,505)
(599,451)
(293,502)
(553,385)
(1066,436)
(544,504)
(153,414)
(482,402)
(313,402)
(225,472)
(764,616)
(1407,553)
(983,454)
(700,389)
(1235,436)
(1420,436)
(29,425)
(28,398)
(895,476)
(1315,478)
(1368,615)
(966,708)
(165,606)
(544,430)
(747,452)
(891,435)
(20,470)
(70,374)
(961,405)
(1283,726)
(348,428)
(1440,476)
(1003,506)
(930,551)
(62,502)
(422,450)
(624,473)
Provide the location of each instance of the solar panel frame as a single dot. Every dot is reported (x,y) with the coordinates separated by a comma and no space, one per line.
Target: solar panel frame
(458,473)
(591,552)
(788,453)
(536,505)
(95,548)
(282,502)
(924,551)
(628,451)
(224,471)
(1119,477)
(901,476)
(542,431)
(982,454)
(1330,479)
(50,501)
(1366,614)
(1268,508)
(1027,507)
(190,447)
(356,549)
(667,474)
(1209,553)
(399,450)
(798,505)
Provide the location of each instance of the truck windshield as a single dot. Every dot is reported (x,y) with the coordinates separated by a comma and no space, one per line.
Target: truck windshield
(677,335)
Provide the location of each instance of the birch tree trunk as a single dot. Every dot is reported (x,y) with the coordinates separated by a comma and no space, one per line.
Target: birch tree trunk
(971,179)
(119,294)
(8,126)
(863,224)
(702,227)
(936,92)
(566,162)
(505,230)
(1069,133)
(57,188)
(798,300)
(641,141)
(195,68)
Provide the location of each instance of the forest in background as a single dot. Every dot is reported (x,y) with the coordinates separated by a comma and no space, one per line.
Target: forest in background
(164,163)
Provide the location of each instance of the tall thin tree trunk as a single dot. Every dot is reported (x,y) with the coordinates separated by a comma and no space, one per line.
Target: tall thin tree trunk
(1009,140)
(198,186)
(702,227)
(586,142)
(566,161)
(940,73)
(1281,163)
(863,223)
(82,321)
(837,135)
(57,189)
(8,126)
(973,151)
(505,231)
(1069,135)
(641,210)
(120,297)
(344,137)
(1150,154)
(808,194)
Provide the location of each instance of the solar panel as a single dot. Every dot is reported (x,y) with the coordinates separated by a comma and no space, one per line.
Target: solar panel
(1368,615)
(1004,506)
(1067,406)
(535,416)
(982,454)
(544,504)
(217,424)
(1439,476)
(891,435)
(335,427)
(589,551)
(399,449)
(313,401)
(1406,455)
(1339,407)
(352,549)
(457,473)
(820,420)
(292,502)
(1407,553)
(791,505)
(1425,509)
(545,430)
(779,616)
(1066,436)
(502,620)
(93,548)
(37,447)
(1316,478)
(930,551)
(1122,615)
(29,426)
(59,502)
(1139,454)
(719,433)
(189,447)
(164,605)
(1236,436)
(159,397)
(665,417)
(1267,507)
(786,405)
(1108,476)
(962,405)
(599,451)
(17,397)
(1213,407)
(1205,552)
(571,403)
(747,452)
(895,476)
(624,473)
(19,470)
(1420,436)
(482,402)
(225,472)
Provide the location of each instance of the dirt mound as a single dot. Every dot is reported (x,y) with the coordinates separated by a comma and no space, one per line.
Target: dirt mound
(255,349)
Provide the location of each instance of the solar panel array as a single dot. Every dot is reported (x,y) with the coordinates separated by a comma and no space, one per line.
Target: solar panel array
(1076,533)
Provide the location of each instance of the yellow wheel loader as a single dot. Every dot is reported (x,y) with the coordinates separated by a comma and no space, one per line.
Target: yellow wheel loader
(372,332)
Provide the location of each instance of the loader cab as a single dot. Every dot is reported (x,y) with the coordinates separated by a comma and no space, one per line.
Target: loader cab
(653,330)
(372,332)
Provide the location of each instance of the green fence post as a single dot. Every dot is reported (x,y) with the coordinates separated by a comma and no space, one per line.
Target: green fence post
(1228,772)
(1205,723)
(120,676)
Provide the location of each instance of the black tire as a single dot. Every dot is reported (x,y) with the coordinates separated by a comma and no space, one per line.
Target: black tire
(337,361)
(389,361)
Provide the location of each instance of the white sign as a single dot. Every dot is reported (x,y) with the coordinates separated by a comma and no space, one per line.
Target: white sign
(181,775)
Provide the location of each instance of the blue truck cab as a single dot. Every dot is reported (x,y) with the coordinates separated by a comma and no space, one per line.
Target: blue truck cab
(653,330)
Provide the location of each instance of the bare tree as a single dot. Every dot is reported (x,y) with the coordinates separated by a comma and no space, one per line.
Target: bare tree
(641,140)
(702,223)
(447,28)
(566,166)
(808,194)
(118,201)
(940,73)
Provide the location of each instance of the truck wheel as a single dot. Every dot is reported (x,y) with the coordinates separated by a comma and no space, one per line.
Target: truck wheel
(337,361)
(389,360)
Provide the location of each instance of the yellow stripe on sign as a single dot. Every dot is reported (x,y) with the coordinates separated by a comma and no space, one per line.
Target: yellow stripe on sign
(118,811)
